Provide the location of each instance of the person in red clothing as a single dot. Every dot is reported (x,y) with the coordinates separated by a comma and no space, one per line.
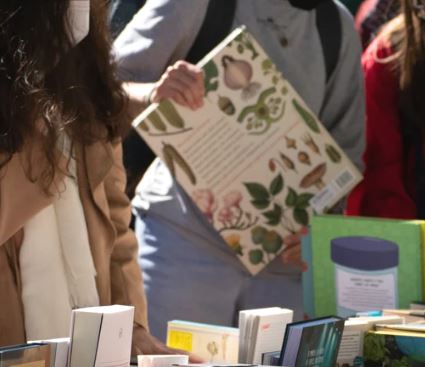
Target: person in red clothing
(394,66)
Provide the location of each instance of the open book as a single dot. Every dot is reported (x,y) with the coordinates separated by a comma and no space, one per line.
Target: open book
(254,158)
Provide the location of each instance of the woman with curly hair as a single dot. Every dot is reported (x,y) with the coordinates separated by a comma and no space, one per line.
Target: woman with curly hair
(64,237)
(394,65)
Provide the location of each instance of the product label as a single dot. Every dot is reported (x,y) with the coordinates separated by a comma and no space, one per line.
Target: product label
(361,292)
(180,340)
(327,197)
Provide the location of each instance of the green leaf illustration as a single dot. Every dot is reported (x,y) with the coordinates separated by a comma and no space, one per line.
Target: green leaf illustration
(257,191)
(267,64)
(307,117)
(211,77)
(276,185)
(291,198)
(171,114)
(273,216)
(256,257)
(303,200)
(272,242)
(260,204)
(301,216)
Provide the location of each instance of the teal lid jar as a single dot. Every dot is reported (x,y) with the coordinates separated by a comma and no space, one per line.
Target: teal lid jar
(366,276)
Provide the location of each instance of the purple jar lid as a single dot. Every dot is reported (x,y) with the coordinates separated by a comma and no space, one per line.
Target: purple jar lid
(364,253)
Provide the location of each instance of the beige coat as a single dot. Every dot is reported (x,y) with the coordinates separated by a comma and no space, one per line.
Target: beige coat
(101,180)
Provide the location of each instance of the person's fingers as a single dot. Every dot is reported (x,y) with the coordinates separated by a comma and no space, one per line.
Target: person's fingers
(193,358)
(165,91)
(191,79)
(188,79)
(292,240)
(292,255)
(176,85)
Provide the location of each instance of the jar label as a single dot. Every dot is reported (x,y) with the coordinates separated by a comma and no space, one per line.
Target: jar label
(362,292)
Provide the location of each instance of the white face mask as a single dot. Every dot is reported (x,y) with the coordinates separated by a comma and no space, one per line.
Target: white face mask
(79,20)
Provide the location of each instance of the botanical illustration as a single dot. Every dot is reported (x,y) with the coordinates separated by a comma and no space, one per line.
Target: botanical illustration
(287,211)
(226,215)
(260,116)
(306,116)
(210,77)
(171,157)
(164,119)
(243,42)
(238,75)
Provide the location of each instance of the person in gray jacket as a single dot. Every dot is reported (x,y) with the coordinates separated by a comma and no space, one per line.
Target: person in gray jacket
(189,271)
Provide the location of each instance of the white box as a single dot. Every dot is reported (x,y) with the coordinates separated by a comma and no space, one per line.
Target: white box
(161,360)
(101,336)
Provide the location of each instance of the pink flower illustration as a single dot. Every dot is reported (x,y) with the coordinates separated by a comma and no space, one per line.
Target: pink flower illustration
(204,199)
(232,199)
(225,215)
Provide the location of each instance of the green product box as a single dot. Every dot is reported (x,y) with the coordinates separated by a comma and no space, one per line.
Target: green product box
(361,264)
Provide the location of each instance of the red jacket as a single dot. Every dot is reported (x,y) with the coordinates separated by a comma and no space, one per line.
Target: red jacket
(388,189)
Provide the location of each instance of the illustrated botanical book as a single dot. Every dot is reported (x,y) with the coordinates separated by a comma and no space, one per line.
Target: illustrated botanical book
(312,343)
(362,264)
(254,158)
(212,343)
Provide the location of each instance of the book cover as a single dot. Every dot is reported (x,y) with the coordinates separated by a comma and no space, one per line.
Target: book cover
(261,331)
(101,336)
(213,343)
(313,343)
(254,158)
(362,264)
(25,355)
(394,349)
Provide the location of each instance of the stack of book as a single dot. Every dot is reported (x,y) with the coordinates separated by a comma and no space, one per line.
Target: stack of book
(261,331)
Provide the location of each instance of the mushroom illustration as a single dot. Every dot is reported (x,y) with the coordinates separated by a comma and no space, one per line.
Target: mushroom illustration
(304,158)
(314,177)
(238,75)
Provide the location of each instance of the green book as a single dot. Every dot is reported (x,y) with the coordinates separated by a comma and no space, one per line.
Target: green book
(361,264)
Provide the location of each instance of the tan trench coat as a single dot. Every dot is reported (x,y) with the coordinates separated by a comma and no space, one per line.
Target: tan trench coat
(101,180)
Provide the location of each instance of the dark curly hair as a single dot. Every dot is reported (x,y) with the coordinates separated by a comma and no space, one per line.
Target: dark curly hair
(48,85)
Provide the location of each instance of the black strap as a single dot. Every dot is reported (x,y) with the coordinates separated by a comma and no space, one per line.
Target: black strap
(217,25)
(121,13)
(328,22)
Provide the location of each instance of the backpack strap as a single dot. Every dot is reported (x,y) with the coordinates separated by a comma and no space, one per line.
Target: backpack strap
(121,12)
(328,22)
(212,31)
